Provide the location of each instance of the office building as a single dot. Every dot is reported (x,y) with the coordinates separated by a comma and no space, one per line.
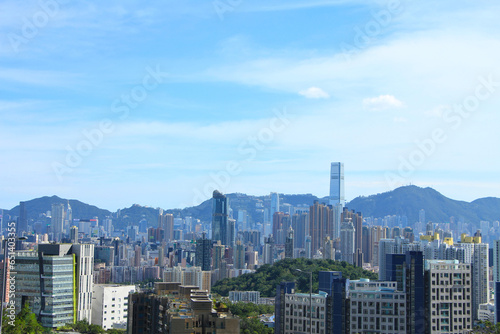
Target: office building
(59,288)
(110,305)
(22,220)
(203,255)
(337,195)
(220,217)
(275,204)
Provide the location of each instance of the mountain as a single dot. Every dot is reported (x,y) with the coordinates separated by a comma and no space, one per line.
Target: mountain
(409,200)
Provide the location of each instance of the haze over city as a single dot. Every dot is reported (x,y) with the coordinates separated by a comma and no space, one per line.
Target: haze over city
(115,103)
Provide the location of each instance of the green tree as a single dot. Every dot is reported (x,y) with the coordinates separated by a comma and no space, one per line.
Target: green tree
(25,323)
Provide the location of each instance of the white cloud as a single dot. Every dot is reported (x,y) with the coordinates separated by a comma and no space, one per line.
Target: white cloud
(382,102)
(314,93)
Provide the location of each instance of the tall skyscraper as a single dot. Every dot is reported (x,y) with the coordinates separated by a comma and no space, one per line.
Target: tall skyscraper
(220,218)
(57,221)
(166,223)
(275,204)
(337,195)
(22,222)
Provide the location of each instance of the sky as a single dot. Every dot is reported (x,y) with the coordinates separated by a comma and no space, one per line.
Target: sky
(159,103)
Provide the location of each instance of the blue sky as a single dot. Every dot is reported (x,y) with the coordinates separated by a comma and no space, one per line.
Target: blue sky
(122,102)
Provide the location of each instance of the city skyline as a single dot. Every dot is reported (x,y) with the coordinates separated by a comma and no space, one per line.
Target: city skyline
(116,103)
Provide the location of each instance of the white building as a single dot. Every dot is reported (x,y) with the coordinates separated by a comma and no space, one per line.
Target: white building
(376,307)
(244,296)
(85,266)
(110,305)
(449,301)
(486,312)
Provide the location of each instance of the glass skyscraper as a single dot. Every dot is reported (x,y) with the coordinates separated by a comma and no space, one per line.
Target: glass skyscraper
(337,195)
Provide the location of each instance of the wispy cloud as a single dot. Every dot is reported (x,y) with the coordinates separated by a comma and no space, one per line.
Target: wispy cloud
(314,93)
(382,102)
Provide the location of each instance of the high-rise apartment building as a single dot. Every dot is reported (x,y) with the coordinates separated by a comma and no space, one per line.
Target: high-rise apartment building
(300,224)
(476,253)
(281,223)
(357,220)
(448,296)
(496,261)
(337,195)
(320,224)
(347,242)
(376,307)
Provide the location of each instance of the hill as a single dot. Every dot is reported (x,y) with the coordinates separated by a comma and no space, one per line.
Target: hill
(404,201)
(38,206)
(409,200)
(267,277)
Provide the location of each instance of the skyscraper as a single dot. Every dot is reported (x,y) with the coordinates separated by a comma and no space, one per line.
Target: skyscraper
(57,222)
(220,218)
(337,184)
(203,257)
(275,204)
(320,225)
(22,223)
(347,241)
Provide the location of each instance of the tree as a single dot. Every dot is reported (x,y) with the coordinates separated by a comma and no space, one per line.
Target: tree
(25,323)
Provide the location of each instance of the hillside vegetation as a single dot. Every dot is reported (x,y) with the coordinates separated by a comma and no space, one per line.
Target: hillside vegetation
(267,277)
